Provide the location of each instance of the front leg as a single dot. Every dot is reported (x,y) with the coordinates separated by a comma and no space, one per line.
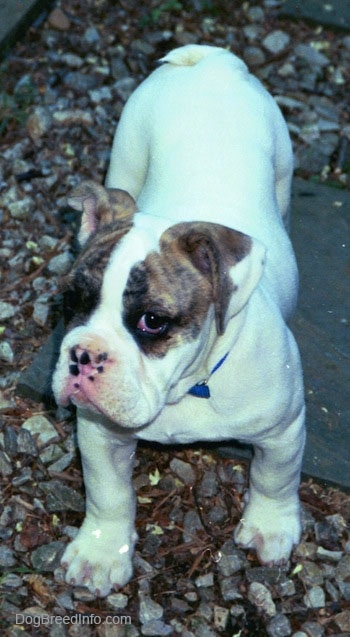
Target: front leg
(100,557)
(271,519)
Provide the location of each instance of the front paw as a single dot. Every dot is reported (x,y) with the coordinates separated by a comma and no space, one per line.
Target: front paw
(100,558)
(271,529)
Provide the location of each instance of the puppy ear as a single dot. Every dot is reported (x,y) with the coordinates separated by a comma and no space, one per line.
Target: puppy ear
(100,207)
(232,261)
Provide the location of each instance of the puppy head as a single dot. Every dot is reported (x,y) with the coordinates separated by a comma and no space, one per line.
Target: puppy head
(148,307)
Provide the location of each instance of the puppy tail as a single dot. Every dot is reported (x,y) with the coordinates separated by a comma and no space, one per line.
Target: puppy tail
(190,54)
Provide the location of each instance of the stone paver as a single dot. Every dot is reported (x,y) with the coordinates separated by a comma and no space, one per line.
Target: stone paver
(15,18)
(332,13)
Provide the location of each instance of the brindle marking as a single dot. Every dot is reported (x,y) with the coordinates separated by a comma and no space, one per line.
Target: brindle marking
(181,282)
(107,217)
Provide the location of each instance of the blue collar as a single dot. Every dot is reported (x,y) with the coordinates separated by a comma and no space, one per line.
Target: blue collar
(201,389)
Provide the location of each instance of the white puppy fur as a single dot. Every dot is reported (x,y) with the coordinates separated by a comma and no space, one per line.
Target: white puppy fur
(199,140)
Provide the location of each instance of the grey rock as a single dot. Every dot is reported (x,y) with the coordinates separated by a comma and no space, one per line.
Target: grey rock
(62,463)
(255,14)
(324,554)
(26,443)
(260,596)
(7,310)
(124,87)
(22,208)
(221,618)
(183,470)
(265,575)
(24,476)
(156,628)
(5,464)
(229,587)
(103,94)
(40,427)
(92,36)
(61,263)
(254,56)
(59,497)
(6,352)
(343,569)
(205,580)
(80,82)
(10,440)
(40,312)
(344,588)
(209,485)
(11,580)
(231,559)
(7,558)
(149,610)
(47,557)
(311,574)
(313,629)
(311,55)
(119,69)
(279,626)
(217,515)
(192,523)
(72,60)
(276,41)
(116,601)
(315,597)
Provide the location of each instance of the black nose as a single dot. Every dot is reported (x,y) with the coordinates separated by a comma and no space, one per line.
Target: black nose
(84,358)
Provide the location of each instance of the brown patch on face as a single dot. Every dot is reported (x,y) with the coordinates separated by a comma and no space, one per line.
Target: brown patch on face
(166,287)
(175,288)
(213,249)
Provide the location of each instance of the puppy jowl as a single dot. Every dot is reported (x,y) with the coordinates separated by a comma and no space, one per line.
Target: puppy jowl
(186,275)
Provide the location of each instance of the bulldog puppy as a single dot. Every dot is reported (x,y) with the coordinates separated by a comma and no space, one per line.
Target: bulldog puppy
(177,305)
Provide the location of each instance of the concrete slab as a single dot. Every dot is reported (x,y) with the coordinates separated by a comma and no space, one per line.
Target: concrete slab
(320,233)
(331,13)
(15,18)
(321,237)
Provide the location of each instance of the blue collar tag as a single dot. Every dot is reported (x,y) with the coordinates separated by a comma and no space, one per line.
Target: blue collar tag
(201,390)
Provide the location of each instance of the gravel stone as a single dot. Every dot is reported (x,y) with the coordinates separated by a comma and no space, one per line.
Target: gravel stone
(5,464)
(6,310)
(26,443)
(260,596)
(46,557)
(39,122)
(6,352)
(71,117)
(149,610)
(21,209)
(7,558)
(279,626)
(315,597)
(205,581)
(254,56)
(59,497)
(276,41)
(61,263)
(183,470)
(311,55)
(41,428)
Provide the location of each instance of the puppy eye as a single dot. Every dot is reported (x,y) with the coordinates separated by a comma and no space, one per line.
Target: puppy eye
(152,324)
